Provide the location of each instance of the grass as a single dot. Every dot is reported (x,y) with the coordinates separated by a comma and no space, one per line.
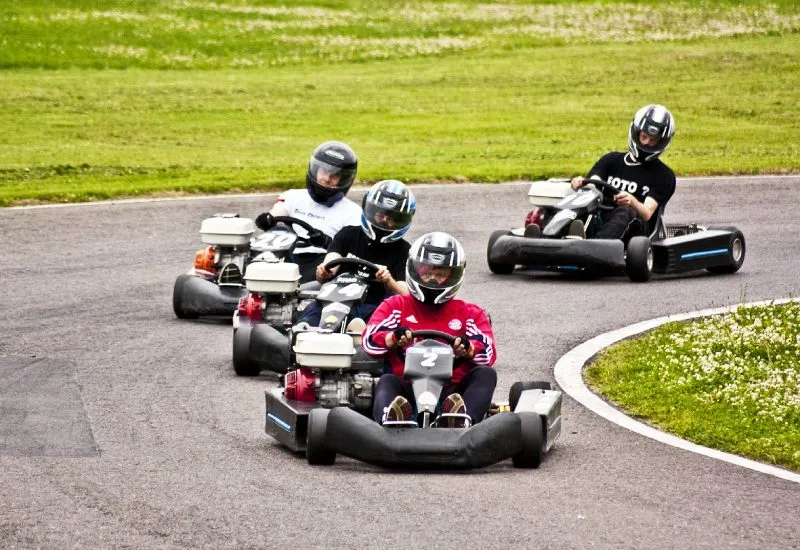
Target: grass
(186,96)
(730,382)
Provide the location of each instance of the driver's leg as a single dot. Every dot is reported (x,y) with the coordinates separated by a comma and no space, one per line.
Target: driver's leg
(389,387)
(615,223)
(477,389)
(311,314)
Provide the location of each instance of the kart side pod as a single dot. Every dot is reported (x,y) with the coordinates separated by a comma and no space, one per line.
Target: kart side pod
(227,230)
(272,277)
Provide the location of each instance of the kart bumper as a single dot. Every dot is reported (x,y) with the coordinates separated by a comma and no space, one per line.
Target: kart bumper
(559,253)
(493,440)
(269,348)
(200,297)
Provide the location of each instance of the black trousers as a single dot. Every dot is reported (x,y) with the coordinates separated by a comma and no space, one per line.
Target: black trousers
(620,223)
(307,263)
(476,388)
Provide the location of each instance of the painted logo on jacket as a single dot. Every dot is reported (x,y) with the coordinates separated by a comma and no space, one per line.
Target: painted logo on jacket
(454,324)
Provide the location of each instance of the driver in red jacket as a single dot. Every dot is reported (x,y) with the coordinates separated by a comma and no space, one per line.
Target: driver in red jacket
(434,271)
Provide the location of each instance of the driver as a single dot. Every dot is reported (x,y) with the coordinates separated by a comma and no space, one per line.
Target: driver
(434,271)
(644,182)
(322,204)
(389,208)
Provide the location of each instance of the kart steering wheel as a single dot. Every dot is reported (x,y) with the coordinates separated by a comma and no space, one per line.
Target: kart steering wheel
(604,187)
(358,262)
(290,221)
(449,338)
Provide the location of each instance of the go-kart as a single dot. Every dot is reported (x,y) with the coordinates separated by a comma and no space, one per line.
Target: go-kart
(214,285)
(264,328)
(665,248)
(523,430)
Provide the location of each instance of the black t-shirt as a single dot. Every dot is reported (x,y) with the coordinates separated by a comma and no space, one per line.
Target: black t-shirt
(351,240)
(647,179)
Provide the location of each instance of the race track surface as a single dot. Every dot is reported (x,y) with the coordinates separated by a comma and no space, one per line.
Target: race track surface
(170,452)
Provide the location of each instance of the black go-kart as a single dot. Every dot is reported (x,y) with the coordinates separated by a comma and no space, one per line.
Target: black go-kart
(665,248)
(214,284)
(264,324)
(524,429)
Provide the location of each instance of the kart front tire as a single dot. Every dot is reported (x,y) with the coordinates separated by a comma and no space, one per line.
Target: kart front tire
(736,252)
(532,439)
(177,298)
(496,267)
(518,387)
(639,259)
(317,451)
(242,364)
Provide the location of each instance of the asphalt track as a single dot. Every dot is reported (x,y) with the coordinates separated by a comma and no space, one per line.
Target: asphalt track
(165,447)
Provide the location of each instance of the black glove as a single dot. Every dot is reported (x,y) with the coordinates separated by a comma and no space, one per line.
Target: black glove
(265,221)
(399,332)
(320,239)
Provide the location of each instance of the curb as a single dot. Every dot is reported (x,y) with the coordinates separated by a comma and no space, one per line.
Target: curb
(568,374)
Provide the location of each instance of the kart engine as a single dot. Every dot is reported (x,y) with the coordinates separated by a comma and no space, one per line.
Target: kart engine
(336,389)
(330,389)
(278,311)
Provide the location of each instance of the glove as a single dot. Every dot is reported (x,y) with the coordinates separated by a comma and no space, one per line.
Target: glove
(399,332)
(265,221)
(320,239)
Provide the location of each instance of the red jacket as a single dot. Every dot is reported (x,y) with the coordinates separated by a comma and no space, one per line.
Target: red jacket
(455,317)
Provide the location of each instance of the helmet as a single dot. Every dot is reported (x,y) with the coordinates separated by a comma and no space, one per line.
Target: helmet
(332,158)
(655,121)
(435,268)
(388,209)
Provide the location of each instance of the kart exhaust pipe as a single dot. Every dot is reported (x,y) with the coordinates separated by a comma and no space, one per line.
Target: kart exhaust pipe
(493,440)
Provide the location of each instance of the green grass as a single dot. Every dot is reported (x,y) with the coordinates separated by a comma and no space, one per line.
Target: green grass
(155,97)
(730,382)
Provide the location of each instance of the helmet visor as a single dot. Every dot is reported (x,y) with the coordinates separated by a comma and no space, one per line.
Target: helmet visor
(385,217)
(330,175)
(435,276)
(649,139)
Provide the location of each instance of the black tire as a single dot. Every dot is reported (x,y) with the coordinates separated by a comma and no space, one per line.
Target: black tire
(639,259)
(532,439)
(317,451)
(736,252)
(177,298)
(242,364)
(518,387)
(494,267)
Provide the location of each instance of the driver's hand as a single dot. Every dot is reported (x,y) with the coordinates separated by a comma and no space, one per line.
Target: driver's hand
(461,350)
(624,199)
(400,337)
(577,183)
(323,274)
(383,275)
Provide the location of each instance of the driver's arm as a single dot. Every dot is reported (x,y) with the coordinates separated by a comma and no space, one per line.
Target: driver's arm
(644,210)
(579,182)
(325,274)
(279,208)
(384,276)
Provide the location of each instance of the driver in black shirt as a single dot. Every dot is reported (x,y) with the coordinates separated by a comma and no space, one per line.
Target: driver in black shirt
(645,183)
(388,209)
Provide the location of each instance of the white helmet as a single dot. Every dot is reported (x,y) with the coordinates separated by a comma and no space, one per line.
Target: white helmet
(425,282)
(655,121)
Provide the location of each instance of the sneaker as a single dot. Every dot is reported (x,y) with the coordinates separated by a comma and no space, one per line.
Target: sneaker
(454,404)
(357,325)
(576,230)
(399,410)
(532,231)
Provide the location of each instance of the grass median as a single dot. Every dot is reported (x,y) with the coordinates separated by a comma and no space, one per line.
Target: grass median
(162,97)
(730,382)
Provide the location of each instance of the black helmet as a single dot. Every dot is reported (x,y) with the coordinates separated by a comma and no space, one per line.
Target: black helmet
(388,210)
(332,158)
(655,121)
(429,252)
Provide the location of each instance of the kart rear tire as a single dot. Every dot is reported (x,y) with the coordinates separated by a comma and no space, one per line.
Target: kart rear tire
(495,267)
(177,298)
(317,451)
(532,439)
(639,259)
(242,364)
(736,252)
(518,387)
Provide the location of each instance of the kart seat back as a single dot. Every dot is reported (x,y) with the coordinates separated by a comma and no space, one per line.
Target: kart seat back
(655,225)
